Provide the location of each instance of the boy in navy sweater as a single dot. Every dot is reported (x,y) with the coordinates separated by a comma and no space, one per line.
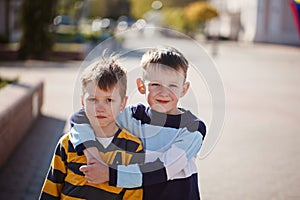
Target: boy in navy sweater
(171,136)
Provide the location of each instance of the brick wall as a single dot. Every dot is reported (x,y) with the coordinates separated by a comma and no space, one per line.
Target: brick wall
(20,105)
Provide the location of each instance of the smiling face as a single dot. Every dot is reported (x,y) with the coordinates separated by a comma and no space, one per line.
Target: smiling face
(163,86)
(102,107)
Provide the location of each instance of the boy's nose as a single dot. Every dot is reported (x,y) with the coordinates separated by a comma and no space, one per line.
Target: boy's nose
(164,90)
(99,107)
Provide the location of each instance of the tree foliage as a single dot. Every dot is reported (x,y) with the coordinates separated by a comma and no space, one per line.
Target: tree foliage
(175,18)
(36,16)
(182,15)
(117,8)
(200,12)
(98,8)
(108,8)
(66,7)
(138,8)
(178,3)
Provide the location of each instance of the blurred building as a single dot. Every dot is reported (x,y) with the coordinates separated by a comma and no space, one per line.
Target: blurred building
(9,20)
(269,21)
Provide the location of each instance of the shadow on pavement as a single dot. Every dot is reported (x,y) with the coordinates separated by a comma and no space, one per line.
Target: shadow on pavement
(23,174)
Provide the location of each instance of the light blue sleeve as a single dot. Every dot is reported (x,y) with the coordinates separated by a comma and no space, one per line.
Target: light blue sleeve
(152,136)
(189,142)
(129,176)
(126,120)
(174,148)
(184,149)
(81,133)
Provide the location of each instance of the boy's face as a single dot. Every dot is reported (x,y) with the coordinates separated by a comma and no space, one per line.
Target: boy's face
(102,107)
(163,88)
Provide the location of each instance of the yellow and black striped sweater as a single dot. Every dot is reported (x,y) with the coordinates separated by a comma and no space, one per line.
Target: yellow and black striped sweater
(65,181)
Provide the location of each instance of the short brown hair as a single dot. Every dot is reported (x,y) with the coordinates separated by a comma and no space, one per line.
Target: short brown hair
(168,56)
(106,73)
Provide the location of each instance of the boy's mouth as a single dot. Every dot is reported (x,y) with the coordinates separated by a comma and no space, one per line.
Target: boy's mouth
(162,101)
(100,117)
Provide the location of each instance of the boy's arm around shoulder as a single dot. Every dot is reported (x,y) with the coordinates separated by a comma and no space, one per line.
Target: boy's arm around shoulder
(186,146)
(81,133)
(164,168)
(126,120)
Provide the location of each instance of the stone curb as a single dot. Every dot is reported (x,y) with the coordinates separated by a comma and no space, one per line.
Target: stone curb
(20,105)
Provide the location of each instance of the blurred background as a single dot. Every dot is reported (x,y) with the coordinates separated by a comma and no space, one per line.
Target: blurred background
(64,25)
(244,58)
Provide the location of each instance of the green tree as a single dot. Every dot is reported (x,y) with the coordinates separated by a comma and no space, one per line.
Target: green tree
(4,38)
(117,8)
(138,8)
(178,3)
(200,12)
(108,8)
(65,7)
(175,18)
(98,8)
(36,16)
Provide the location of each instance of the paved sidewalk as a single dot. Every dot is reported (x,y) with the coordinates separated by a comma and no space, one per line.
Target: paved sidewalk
(21,178)
(24,173)
(257,156)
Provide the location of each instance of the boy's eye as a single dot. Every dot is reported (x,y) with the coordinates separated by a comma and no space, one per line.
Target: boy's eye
(173,86)
(109,100)
(92,99)
(154,84)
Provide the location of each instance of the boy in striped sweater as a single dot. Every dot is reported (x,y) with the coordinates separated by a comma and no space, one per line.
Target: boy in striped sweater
(171,136)
(103,97)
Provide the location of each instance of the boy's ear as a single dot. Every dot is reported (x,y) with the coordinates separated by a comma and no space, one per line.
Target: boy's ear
(186,87)
(141,86)
(82,102)
(123,103)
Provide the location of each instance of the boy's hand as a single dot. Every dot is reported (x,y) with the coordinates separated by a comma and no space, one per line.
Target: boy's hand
(91,153)
(95,172)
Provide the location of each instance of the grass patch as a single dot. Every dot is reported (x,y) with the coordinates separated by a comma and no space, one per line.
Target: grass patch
(6,81)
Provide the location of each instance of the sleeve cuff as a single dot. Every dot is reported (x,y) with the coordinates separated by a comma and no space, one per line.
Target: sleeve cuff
(125,176)
(154,173)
